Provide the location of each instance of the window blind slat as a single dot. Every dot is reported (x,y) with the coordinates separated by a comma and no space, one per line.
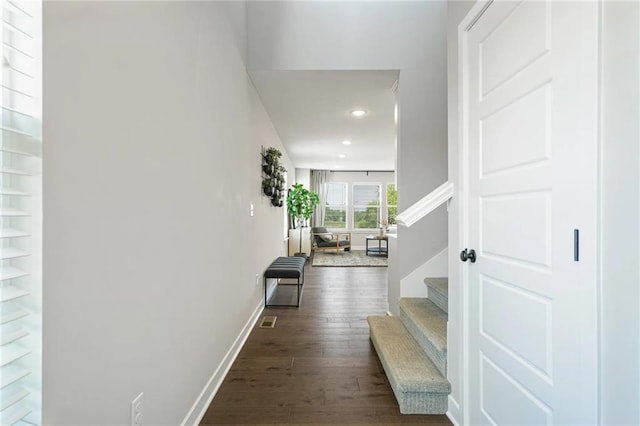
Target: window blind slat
(18,101)
(11,273)
(15,151)
(25,7)
(13,192)
(12,171)
(11,313)
(12,253)
(15,132)
(12,213)
(10,396)
(12,336)
(14,13)
(13,352)
(13,233)
(13,415)
(20,82)
(11,374)
(14,37)
(18,120)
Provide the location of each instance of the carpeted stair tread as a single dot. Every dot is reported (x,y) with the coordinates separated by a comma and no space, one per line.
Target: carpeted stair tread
(438,290)
(427,323)
(416,382)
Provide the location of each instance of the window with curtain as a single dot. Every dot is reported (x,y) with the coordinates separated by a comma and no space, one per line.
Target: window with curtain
(366,206)
(21,214)
(392,203)
(335,215)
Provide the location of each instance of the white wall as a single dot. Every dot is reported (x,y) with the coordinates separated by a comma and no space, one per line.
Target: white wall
(303,176)
(620,180)
(405,36)
(152,134)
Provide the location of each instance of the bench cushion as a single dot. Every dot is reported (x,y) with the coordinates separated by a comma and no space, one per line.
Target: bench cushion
(286,267)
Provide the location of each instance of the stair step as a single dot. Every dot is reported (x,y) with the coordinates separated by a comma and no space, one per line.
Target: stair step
(416,382)
(427,323)
(438,291)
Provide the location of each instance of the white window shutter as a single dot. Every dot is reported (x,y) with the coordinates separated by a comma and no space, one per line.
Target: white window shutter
(20,214)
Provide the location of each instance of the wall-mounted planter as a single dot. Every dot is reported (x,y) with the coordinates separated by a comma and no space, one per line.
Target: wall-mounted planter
(273,176)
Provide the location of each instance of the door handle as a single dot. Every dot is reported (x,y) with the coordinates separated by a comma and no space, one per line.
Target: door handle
(468,255)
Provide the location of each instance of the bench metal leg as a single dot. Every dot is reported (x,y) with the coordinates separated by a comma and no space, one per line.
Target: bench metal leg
(299,284)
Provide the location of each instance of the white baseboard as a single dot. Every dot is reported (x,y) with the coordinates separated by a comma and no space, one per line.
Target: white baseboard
(413,284)
(199,408)
(453,413)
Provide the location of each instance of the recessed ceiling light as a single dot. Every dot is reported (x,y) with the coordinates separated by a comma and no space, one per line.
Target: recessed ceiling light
(335,166)
(358,112)
(341,155)
(345,142)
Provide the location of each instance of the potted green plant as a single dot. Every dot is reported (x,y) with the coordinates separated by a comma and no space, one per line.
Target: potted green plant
(272,155)
(300,205)
(268,186)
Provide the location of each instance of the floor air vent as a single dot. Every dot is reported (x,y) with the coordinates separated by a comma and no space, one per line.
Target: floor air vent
(268,322)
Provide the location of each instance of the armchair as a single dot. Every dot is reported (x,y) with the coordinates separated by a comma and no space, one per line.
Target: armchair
(325,240)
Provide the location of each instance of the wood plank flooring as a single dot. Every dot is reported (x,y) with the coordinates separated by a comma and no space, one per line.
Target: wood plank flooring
(317,366)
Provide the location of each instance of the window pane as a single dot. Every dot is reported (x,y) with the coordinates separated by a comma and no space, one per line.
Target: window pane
(366,217)
(335,217)
(393,212)
(392,195)
(336,194)
(366,206)
(366,195)
(392,203)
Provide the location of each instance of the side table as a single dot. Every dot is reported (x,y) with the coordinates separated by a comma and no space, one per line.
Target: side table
(379,249)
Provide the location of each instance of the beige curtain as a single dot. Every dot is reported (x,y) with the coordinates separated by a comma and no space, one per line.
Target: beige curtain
(318,180)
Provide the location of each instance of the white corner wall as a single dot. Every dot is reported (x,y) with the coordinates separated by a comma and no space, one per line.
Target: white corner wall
(152,135)
(620,210)
(387,35)
(413,284)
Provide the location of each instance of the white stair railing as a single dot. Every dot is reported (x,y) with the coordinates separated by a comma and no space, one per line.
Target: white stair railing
(426,205)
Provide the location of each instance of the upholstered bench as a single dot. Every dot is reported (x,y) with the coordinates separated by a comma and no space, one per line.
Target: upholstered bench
(285,267)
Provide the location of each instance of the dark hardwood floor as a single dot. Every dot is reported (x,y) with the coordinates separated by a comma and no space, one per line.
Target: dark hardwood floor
(317,366)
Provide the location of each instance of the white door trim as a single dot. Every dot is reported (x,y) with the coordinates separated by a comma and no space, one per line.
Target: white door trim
(463,195)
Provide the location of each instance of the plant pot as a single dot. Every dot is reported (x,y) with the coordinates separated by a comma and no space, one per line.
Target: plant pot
(268,169)
(275,201)
(268,191)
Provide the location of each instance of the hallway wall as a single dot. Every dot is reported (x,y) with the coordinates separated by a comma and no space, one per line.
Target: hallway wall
(152,136)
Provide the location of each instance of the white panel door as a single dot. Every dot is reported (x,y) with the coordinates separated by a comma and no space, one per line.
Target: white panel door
(530,143)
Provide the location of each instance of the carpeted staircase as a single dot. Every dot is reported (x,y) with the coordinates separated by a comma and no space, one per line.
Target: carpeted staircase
(413,350)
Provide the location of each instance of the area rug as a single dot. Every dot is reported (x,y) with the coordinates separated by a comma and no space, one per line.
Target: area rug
(347,258)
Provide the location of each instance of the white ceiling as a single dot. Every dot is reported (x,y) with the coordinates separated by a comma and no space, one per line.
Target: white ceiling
(311,111)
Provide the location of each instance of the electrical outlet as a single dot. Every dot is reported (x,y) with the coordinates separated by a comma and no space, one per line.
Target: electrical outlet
(257,279)
(136,410)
